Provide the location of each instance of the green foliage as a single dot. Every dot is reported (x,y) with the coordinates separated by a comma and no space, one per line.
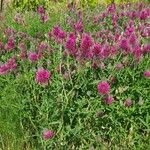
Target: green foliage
(33,4)
(26,4)
(90,3)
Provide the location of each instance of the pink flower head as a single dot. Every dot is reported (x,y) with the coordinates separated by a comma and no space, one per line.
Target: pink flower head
(22,34)
(103,87)
(22,46)
(41,10)
(22,54)
(71,44)
(147,74)
(79,13)
(133,14)
(4,69)
(96,49)
(122,14)
(94,65)
(56,30)
(18,18)
(113,50)
(119,66)
(96,19)
(117,35)
(42,46)
(50,34)
(62,35)
(103,15)
(89,54)
(140,6)
(112,8)
(143,15)
(9,32)
(146,48)
(124,44)
(105,51)
(79,26)
(33,57)
(42,76)
(10,44)
(128,103)
(48,134)
(132,38)
(131,25)
(137,53)
(86,42)
(71,35)
(109,100)
(85,46)
(11,63)
(129,30)
(44,18)
(114,17)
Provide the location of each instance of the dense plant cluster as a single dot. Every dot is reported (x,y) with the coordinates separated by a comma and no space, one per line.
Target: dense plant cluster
(33,4)
(82,84)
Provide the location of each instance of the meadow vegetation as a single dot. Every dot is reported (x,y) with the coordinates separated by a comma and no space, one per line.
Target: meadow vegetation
(75,79)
